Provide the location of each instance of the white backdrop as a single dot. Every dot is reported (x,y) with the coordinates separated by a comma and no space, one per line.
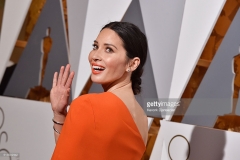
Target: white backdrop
(205,143)
(13,17)
(26,128)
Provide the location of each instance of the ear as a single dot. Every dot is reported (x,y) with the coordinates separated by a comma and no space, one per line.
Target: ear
(134,63)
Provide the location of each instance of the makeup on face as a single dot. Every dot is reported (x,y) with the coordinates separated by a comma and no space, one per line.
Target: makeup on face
(108,58)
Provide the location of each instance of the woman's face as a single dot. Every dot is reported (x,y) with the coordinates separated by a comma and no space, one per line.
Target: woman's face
(108,58)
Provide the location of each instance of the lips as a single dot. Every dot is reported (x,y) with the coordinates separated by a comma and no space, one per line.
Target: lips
(96,69)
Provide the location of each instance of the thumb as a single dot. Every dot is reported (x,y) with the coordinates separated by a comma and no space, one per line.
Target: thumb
(68,92)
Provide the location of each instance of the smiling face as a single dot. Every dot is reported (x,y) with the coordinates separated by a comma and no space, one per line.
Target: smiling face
(108,59)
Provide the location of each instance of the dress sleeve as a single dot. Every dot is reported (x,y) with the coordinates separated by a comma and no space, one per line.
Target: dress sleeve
(77,131)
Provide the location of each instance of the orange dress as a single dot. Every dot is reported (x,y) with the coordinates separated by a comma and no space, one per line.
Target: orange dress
(99,127)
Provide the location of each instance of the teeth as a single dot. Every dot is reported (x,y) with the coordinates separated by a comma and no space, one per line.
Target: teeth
(98,68)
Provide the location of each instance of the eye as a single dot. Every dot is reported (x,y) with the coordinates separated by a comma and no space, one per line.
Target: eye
(109,50)
(94,46)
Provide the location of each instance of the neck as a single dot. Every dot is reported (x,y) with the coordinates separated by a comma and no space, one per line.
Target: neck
(122,86)
(123,83)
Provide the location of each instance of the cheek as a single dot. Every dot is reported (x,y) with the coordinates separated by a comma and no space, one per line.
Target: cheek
(90,56)
(116,64)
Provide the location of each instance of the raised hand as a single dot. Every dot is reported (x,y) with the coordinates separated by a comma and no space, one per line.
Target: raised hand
(60,91)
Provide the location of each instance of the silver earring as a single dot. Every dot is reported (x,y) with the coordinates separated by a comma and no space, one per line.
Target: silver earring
(128,70)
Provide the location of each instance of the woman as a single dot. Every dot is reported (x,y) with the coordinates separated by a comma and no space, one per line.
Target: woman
(110,125)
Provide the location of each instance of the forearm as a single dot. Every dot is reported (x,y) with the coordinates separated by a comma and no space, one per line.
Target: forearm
(59,97)
(58,118)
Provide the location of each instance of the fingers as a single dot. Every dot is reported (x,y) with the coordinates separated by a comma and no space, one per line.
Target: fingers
(69,80)
(60,75)
(55,79)
(64,78)
(65,74)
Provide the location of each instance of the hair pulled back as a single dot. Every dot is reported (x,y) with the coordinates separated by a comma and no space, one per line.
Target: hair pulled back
(135,44)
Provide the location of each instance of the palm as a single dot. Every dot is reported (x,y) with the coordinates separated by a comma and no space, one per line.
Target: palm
(61,90)
(56,98)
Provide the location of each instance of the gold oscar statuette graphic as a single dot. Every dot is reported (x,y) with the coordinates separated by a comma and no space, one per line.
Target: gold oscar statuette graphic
(39,92)
(231,121)
(228,122)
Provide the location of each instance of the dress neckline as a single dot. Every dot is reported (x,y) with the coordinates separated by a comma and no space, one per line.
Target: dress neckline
(127,110)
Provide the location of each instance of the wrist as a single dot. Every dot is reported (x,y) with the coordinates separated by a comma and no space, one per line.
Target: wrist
(59,117)
(60,114)
(56,122)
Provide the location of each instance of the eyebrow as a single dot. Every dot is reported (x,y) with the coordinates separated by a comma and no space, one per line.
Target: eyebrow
(107,44)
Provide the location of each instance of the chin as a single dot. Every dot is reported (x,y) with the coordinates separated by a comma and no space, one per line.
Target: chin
(97,79)
(101,80)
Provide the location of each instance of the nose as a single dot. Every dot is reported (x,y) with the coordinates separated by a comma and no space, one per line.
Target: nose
(96,56)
